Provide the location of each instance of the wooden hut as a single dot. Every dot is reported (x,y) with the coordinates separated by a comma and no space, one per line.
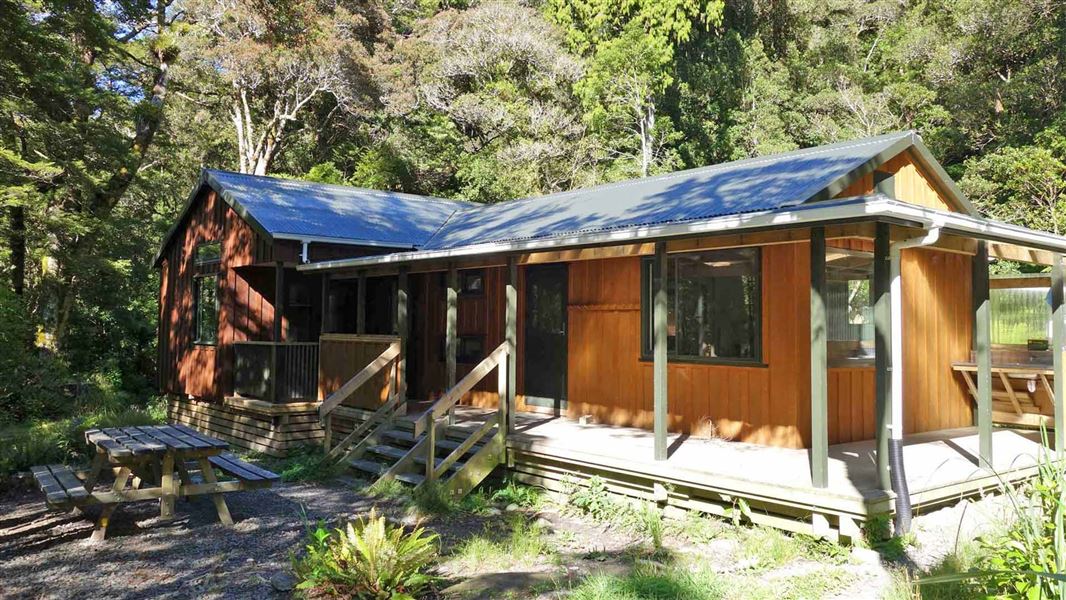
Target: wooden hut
(787,330)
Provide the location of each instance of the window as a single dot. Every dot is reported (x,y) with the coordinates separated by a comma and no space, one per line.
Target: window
(1020,316)
(208,253)
(849,309)
(206,310)
(713,305)
(472,283)
(470,349)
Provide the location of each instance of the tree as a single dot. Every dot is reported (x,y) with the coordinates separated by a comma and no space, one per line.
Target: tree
(631,46)
(83,96)
(267,62)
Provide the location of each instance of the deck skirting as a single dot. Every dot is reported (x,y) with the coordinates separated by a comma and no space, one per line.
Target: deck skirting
(246,428)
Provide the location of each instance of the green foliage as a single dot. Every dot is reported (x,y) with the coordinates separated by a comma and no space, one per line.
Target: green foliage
(305,463)
(594,499)
(369,559)
(522,544)
(1035,544)
(432,498)
(648,582)
(63,440)
(513,492)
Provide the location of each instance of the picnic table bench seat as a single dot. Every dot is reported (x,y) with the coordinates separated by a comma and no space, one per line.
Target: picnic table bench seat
(61,487)
(249,474)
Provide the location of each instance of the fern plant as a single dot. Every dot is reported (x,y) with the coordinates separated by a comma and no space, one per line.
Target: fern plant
(367,559)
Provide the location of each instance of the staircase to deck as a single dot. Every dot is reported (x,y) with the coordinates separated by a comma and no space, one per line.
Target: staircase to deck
(428,447)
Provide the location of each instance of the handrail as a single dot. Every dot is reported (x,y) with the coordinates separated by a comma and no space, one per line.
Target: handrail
(467,383)
(380,417)
(345,391)
(463,448)
(427,422)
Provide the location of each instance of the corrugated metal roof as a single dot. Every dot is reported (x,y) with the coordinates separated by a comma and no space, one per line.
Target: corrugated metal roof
(290,208)
(743,186)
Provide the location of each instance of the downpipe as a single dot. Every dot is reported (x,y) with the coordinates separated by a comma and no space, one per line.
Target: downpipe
(897,472)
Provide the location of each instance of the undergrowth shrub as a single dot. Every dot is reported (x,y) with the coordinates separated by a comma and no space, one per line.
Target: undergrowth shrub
(304,463)
(367,559)
(513,492)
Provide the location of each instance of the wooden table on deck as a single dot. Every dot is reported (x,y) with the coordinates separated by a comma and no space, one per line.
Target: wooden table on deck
(1011,405)
(154,461)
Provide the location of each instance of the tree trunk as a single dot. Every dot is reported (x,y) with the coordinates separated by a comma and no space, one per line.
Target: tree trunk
(17,243)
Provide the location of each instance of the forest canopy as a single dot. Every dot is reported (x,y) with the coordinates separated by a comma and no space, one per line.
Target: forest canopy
(109,109)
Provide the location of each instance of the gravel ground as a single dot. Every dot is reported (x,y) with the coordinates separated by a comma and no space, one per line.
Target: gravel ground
(46,555)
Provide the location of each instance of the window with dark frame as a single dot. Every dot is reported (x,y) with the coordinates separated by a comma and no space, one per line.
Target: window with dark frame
(472,283)
(206,296)
(208,253)
(714,306)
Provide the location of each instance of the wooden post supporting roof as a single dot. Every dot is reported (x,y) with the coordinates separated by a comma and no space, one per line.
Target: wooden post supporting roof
(819,364)
(360,304)
(402,331)
(451,320)
(325,323)
(511,333)
(1058,346)
(982,344)
(659,356)
(882,351)
(279,328)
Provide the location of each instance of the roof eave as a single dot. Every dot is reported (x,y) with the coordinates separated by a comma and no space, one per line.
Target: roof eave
(863,208)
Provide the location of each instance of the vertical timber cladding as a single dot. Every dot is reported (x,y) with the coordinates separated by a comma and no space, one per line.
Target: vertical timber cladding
(244,313)
(479,315)
(768,404)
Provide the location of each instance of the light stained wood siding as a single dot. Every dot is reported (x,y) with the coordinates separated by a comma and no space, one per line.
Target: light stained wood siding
(911,184)
(937,330)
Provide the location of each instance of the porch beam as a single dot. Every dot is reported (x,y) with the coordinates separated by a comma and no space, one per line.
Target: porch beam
(982,345)
(511,333)
(882,351)
(819,364)
(360,303)
(659,356)
(402,332)
(1058,346)
(325,324)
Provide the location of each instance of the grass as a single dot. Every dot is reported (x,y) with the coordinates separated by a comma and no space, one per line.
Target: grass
(305,463)
(648,582)
(63,440)
(522,543)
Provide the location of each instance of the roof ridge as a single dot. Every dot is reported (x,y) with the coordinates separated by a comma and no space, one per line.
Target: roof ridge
(369,191)
(753,160)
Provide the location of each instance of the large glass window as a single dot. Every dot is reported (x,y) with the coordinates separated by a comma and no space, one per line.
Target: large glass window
(713,305)
(207,309)
(849,311)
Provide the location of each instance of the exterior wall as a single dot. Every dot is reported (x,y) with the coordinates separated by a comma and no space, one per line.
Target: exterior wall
(910,183)
(244,313)
(769,404)
(245,296)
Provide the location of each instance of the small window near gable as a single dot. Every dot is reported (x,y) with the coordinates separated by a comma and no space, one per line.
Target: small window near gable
(206,290)
(208,253)
(472,283)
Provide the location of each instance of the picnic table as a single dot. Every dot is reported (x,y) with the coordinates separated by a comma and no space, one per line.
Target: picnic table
(162,462)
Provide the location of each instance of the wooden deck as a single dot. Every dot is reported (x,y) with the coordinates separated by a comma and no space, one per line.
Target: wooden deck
(709,474)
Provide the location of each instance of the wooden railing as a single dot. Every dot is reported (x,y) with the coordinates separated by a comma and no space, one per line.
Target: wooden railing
(276,372)
(382,417)
(497,359)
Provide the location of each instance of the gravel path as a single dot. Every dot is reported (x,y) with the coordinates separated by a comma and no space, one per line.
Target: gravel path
(46,555)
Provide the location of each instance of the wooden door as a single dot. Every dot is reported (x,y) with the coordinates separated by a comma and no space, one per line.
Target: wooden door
(545,348)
